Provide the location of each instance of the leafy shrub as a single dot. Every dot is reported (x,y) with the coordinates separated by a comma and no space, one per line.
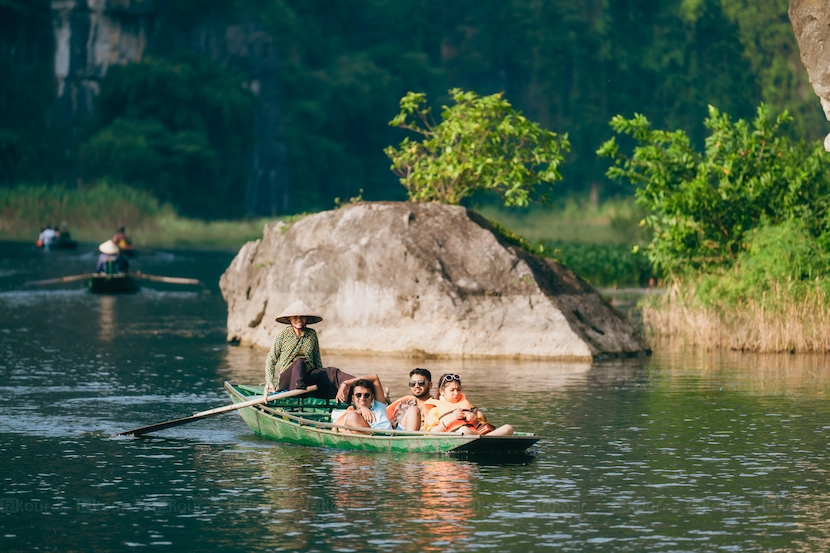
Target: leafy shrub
(482,143)
(784,254)
(702,207)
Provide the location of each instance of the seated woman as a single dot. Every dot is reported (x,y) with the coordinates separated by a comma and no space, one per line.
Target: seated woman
(366,411)
(451,412)
(296,352)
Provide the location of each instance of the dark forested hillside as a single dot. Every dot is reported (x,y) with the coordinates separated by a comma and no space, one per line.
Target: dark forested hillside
(325,77)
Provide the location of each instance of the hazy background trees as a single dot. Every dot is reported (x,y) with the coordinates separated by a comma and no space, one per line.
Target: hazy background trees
(180,125)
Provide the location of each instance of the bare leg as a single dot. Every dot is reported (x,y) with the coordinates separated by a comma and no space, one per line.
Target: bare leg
(411,419)
(503,430)
(351,418)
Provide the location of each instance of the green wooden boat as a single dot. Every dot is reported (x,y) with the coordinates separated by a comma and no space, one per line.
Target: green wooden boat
(307,421)
(112,284)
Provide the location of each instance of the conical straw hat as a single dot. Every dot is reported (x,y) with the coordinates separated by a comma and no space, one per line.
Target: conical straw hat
(108,248)
(299,309)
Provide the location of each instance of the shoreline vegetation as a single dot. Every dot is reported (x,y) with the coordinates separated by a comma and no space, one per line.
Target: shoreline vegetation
(781,320)
(593,241)
(740,231)
(749,307)
(93,214)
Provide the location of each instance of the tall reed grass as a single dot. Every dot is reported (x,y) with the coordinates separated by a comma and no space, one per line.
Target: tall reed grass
(26,209)
(782,318)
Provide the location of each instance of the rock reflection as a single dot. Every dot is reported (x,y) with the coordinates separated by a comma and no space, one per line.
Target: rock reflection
(247,365)
(762,374)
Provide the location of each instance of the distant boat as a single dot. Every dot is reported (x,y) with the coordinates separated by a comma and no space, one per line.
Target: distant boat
(58,244)
(119,283)
(307,421)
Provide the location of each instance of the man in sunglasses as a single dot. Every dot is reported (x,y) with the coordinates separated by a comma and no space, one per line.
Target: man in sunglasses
(366,411)
(408,412)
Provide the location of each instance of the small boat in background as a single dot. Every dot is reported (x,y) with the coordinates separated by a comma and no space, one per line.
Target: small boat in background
(58,244)
(307,421)
(119,283)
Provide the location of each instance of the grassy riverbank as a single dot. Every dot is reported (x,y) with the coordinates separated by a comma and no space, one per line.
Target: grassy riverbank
(774,298)
(93,215)
(595,242)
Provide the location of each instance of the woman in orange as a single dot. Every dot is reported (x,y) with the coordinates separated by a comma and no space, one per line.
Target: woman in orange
(451,412)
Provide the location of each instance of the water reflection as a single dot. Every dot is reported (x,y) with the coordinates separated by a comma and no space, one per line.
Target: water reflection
(446,503)
(247,365)
(762,374)
(106,318)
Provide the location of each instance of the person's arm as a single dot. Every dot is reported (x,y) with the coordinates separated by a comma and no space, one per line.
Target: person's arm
(271,363)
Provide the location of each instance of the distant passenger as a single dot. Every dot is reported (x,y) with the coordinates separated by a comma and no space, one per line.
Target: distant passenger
(64,233)
(47,236)
(121,240)
(111,261)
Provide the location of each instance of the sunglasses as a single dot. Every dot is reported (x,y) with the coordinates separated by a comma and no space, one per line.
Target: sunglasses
(421,383)
(449,378)
(361,395)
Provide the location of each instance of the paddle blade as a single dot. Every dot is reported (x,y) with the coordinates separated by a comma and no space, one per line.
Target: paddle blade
(211,412)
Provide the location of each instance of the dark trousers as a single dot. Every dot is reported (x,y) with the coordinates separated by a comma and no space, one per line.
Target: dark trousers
(328,380)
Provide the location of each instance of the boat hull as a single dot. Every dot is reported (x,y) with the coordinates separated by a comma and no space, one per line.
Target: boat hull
(282,426)
(112,284)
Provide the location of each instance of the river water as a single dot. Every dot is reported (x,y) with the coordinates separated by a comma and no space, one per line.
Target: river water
(680,451)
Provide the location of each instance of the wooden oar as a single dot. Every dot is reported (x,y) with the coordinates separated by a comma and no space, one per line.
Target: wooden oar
(71,278)
(169,280)
(211,412)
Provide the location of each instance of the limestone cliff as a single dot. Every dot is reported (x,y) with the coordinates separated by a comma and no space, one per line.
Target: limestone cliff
(91,36)
(418,278)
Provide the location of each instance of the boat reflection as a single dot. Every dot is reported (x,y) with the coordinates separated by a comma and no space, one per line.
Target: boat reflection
(446,503)
(106,318)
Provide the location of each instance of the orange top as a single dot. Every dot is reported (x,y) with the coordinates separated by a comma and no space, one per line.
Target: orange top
(435,408)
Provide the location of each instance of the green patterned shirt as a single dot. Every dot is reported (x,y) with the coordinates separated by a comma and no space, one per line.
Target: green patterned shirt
(287,347)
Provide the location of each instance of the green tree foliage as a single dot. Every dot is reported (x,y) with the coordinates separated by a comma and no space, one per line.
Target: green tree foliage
(179,128)
(27,89)
(568,65)
(785,254)
(768,45)
(481,143)
(703,206)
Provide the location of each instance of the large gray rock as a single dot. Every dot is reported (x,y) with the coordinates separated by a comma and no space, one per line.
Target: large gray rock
(811,23)
(422,279)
